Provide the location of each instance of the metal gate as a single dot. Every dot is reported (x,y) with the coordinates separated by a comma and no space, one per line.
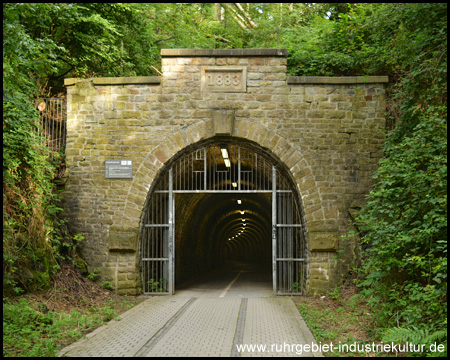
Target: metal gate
(224,168)
(53,121)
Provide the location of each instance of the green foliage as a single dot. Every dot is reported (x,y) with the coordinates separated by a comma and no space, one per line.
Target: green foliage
(31,229)
(406,224)
(107,285)
(404,271)
(296,287)
(28,205)
(340,321)
(369,39)
(416,336)
(157,286)
(29,329)
(94,275)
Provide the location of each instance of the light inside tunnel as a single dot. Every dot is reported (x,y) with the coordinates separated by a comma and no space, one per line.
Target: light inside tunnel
(224,153)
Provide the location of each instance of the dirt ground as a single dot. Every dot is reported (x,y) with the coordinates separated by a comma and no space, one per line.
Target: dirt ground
(70,290)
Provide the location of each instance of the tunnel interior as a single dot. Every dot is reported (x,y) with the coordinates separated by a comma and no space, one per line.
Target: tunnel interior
(213,230)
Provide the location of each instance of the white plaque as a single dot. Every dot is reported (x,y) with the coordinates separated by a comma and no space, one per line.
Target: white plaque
(119,169)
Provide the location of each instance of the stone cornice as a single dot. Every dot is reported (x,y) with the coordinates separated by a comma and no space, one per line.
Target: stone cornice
(117,80)
(337,79)
(222,52)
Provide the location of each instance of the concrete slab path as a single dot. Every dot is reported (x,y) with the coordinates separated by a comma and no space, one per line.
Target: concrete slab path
(230,314)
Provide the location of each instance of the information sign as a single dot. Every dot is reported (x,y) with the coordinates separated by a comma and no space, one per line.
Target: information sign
(119,169)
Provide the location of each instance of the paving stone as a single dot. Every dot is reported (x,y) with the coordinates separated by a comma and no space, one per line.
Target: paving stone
(126,336)
(275,324)
(205,325)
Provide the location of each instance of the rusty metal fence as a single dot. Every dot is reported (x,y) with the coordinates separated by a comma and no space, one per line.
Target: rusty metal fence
(53,120)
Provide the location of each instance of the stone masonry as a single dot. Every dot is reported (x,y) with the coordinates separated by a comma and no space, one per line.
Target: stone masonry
(328,131)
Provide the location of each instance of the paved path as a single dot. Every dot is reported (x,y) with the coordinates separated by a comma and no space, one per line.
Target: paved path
(223,315)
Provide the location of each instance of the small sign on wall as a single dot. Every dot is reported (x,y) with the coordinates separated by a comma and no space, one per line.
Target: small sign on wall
(119,169)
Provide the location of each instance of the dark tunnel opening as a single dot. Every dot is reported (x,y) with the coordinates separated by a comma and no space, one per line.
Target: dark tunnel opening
(219,230)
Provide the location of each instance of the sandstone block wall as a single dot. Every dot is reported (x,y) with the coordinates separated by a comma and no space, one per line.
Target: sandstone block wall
(328,131)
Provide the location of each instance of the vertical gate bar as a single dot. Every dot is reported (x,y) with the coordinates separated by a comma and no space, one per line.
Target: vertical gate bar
(194,174)
(171,233)
(280,239)
(49,130)
(56,122)
(173,248)
(239,168)
(291,244)
(274,228)
(51,124)
(142,255)
(282,220)
(265,168)
(285,239)
(294,239)
(47,110)
(182,179)
(63,124)
(204,169)
(56,125)
(284,242)
(60,126)
(254,166)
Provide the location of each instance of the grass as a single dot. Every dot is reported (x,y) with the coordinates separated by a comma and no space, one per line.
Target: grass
(40,324)
(340,318)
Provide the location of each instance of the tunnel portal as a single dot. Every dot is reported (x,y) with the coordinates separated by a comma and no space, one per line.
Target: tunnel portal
(220,202)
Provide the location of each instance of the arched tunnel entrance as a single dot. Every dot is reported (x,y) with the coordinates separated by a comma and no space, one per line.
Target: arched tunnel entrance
(222,202)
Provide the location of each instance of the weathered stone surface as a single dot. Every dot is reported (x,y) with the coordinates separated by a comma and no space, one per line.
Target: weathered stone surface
(222,52)
(323,241)
(327,131)
(337,80)
(223,122)
(229,79)
(122,239)
(117,81)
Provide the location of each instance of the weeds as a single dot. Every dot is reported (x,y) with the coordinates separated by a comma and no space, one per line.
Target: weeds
(30,329)
(339,318)
(40,324)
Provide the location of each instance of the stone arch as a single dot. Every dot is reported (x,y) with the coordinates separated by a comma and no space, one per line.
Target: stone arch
(284,151)
(194,234)
(292,158)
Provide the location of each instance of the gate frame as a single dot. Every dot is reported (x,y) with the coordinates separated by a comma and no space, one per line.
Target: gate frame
(275,225)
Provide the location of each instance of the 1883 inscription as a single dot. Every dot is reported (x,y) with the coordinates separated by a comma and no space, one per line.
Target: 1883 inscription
(224,79)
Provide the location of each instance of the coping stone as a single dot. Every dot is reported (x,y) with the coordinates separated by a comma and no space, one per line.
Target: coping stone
(117,80)
(223,52)
(337,79)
